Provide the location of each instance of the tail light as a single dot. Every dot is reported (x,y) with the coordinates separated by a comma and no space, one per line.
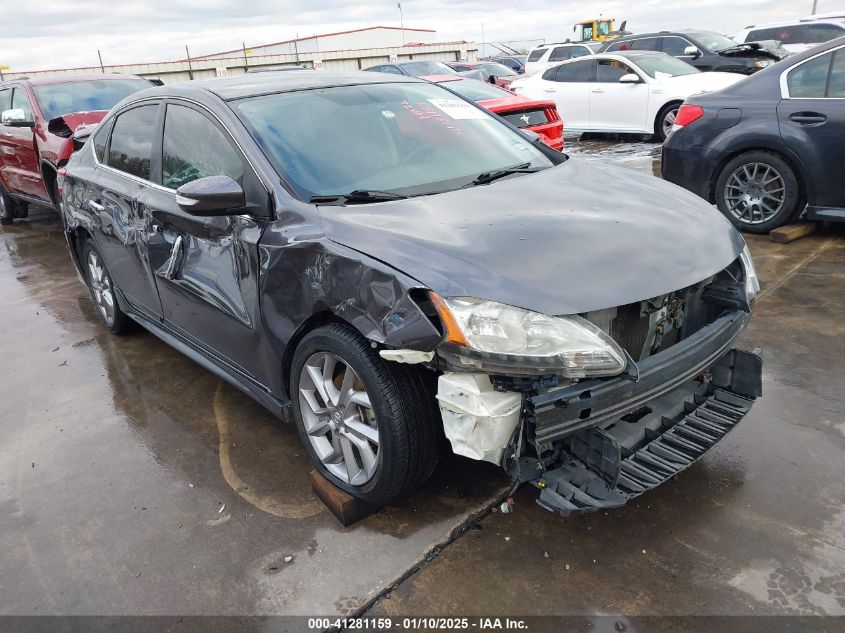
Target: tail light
(687,114)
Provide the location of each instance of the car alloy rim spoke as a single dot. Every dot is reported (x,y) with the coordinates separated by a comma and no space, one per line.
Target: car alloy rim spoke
(338,418)
(669,121)
(749,195)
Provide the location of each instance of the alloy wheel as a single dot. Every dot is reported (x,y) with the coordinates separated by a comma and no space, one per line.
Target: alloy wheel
(669,121)
(101,288)
(338,418)
(754,193)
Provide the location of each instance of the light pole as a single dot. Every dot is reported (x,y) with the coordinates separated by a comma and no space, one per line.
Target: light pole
(815,2)
(401,22)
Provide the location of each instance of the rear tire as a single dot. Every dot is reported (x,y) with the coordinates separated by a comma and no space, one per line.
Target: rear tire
(378,452)
(665,121)
(103,291)
(759,191)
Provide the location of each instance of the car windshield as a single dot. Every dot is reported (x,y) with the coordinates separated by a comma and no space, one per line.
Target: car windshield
(499,70)
(662,65)
(714,41)
(475,90)
(405,138)
(85,96)
(421,69)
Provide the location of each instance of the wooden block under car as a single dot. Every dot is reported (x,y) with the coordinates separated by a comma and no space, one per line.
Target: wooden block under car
(346,508)
(791,232)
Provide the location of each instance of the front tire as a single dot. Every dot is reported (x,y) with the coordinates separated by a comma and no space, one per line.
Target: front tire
(369,425)
(8,207)
(758,191)
(103,292)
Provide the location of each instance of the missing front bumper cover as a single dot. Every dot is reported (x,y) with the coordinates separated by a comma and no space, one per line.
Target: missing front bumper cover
(598,471)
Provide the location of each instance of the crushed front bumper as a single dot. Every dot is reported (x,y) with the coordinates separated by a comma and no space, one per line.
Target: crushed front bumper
(612,440)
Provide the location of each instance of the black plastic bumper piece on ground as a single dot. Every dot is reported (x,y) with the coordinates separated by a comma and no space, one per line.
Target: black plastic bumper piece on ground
(599,474)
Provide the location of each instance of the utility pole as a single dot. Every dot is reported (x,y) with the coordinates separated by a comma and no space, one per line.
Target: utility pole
(401,22)
(190,69)
(246,63)
(815,3)
(102,68)
(482,40)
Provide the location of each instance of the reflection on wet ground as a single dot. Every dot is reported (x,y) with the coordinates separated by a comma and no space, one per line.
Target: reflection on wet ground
(133,482)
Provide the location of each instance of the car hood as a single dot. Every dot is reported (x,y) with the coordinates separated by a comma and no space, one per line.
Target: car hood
(570,239)
(701,82)
(764,49)
(66,124)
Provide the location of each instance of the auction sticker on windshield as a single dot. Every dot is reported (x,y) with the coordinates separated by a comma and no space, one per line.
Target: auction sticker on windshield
(458,109)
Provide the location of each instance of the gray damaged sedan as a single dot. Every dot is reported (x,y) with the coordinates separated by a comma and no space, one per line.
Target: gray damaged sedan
(383,263)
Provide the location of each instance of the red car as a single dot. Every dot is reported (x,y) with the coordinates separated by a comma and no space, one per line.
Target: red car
(538,116)
(37,120)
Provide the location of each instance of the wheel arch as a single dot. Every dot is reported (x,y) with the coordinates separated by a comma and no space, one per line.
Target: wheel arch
(322,317)
(791,161)
(663,108)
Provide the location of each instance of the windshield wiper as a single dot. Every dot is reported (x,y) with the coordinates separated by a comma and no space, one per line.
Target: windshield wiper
(358,196)
(489,176)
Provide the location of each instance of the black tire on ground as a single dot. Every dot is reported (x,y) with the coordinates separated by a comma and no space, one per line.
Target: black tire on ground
(403,404)
(8,207)
(116,321)
(665,119)
(793,198)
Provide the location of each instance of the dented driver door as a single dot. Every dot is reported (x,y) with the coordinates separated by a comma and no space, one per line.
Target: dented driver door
(205,268)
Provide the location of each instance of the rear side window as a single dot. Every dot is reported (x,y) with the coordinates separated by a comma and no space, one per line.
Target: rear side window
(132,137)
(5,99)
(100,140)
(809,80)
(646,44)
(574,72)
(561,53)
(193,147)
(536,54)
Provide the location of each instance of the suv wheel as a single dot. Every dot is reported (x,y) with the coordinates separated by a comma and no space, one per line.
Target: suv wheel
(103,290)
(369,426)
(758,191)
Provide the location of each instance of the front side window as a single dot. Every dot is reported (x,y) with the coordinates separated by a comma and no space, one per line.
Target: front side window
(561,53)
(410,139)
(100,140)
(836,81)
(132,137)
(85,96)
(646,44)
(809,80)
(20,101)
(619,46)
(820,33)
(580,51)
(611,70)
(675,46)
(193,147)
(5,99)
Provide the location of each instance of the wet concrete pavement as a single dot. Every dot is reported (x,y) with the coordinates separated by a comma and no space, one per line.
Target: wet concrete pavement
(134,482)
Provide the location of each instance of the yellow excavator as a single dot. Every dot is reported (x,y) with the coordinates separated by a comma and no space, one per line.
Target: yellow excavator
(598,30)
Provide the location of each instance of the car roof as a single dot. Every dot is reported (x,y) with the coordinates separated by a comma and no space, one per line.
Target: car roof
(64,79)
(634,36)
(267,83)
(832,19)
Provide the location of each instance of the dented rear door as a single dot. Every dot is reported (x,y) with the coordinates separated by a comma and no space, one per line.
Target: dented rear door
(205,268)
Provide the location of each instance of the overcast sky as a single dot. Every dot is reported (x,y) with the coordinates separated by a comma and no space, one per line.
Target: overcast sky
(40,34)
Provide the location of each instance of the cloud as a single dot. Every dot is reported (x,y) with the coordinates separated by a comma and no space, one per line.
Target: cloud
(66,33)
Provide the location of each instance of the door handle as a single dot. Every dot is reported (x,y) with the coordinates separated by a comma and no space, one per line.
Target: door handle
(96,206)
(549,90)
(808,118)
(598,90)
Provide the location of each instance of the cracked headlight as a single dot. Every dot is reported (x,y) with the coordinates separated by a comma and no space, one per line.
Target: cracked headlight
(752,282)
(503,335)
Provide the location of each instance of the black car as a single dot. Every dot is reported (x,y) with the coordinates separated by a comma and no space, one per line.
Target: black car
(515,62)
(769,146)
(382,263)
(706,50)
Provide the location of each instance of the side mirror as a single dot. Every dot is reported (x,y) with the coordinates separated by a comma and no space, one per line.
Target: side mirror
(692,51)
(492,79)
(15,118)
(212,195)
(630,78)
